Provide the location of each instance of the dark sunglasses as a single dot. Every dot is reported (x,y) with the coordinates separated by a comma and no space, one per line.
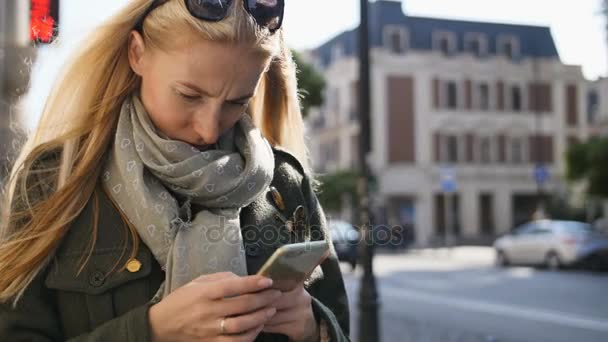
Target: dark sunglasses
(267,13)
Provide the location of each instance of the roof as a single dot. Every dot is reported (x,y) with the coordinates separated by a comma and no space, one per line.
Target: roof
(534,41)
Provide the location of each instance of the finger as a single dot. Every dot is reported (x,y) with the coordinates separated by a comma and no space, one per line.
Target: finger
(295,298)
(244,323)
(284,302)
(230,287)
(244,337)
(284,317)
(215,277)
(206,278)
(248,302)
(298,289)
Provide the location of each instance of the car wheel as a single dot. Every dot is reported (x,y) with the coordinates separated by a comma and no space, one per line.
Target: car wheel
(552,261)
(501,259)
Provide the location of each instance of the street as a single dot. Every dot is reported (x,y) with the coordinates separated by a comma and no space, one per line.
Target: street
(436,295)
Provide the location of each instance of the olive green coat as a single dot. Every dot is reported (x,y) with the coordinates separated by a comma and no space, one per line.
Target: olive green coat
(98,305)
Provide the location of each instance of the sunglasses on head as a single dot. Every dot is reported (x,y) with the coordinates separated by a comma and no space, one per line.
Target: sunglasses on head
(267,13)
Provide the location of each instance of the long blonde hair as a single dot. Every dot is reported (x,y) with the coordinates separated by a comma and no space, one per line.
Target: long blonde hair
(79,120)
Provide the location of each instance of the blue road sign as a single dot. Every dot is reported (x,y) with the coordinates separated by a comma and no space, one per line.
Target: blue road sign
(541,174)
(448,180)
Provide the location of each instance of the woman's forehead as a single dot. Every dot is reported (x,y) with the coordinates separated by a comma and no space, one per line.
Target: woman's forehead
(211,65)
(202,53)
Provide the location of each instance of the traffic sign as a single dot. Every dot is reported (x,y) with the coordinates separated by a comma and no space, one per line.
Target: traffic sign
(44,20)
(448,180)
(541,174)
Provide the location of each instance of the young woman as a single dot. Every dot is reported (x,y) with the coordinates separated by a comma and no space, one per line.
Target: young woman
(168,165)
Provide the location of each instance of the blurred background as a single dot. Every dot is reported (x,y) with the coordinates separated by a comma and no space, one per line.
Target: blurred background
(488,152)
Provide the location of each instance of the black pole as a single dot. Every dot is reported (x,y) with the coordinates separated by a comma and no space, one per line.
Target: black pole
(368,295)
(538,141)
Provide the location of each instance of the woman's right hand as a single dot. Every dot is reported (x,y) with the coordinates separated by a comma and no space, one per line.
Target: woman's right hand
(194,311)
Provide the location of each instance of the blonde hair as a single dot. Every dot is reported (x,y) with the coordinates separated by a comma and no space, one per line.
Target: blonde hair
(79,120)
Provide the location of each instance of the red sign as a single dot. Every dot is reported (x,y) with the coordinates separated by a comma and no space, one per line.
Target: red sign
(44,17)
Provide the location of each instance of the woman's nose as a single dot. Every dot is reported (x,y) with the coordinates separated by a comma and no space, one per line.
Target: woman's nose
(207,124)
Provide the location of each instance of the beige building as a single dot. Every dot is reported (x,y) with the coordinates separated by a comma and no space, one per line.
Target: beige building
(491,101)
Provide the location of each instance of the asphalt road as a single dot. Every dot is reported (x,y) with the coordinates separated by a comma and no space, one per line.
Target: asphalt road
(438,296)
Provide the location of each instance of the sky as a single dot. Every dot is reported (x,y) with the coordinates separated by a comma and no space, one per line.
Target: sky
(577,26)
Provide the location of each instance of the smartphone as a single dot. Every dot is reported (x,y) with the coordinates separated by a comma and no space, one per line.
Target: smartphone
(291,264)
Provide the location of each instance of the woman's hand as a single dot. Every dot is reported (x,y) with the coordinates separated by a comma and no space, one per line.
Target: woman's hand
(294,317)
(194,311)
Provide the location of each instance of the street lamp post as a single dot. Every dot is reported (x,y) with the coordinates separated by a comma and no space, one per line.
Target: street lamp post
(538,140)
(368,295)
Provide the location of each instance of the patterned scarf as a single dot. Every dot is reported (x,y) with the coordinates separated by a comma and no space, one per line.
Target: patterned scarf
(147,173)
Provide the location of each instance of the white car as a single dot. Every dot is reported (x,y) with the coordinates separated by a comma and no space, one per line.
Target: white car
(554,244)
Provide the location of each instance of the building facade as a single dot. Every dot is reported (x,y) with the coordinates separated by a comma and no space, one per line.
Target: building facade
(488,105)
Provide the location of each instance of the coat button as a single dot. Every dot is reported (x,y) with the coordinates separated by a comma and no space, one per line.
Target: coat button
(97,278)
(133,265)
(252,250)
(277,198)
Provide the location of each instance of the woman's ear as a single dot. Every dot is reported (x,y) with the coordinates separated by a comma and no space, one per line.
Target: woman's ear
(137,48)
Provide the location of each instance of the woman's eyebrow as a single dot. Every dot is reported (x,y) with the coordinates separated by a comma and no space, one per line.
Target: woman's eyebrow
(205,93)
(242,98)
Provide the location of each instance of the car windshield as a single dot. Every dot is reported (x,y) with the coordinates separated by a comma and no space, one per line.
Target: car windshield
(573,227)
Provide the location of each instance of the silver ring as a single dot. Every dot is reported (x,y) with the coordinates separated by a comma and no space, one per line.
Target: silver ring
(223,326)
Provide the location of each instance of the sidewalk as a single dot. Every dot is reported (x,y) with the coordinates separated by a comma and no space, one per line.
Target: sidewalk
(433,259)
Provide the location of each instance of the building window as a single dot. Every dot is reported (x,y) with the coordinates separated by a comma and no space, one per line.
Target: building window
(445,42)
(487,214)
(517,151)
(444,46)
(452,149)
(486,150)
(334,99)
(330,154)
(592,107)
(448,148)
(483,96)
(508,50)
(476,44)
(508,46)
(516,102)
(451,95)
(395,39)
(540,97)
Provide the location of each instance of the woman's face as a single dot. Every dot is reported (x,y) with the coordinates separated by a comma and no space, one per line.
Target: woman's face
(197,92)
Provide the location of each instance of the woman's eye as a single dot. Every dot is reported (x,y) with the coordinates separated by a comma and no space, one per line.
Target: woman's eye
(241,104)
(190,97)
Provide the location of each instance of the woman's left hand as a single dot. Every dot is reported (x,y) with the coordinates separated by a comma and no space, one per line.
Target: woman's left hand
(294,317)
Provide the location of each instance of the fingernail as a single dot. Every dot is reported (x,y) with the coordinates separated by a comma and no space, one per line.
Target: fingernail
(271,312)
(265,282)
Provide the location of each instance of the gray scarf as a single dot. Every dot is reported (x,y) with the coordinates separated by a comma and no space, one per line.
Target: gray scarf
(145,169)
